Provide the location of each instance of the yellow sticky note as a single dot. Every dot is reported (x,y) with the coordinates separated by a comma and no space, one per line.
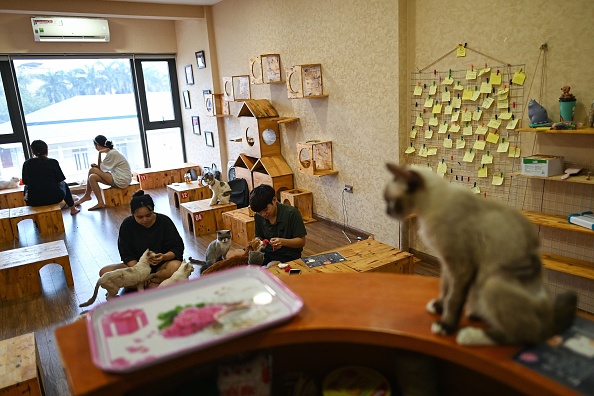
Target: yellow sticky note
(479,145)
(458,87)
(433,121)
(409,150)
(502,91)
(514,152)
(503,147)
(445,96)
(442,168)
(505,115)
(432,151)
(484,70)
(492,137)
(475,189)
(423,152)
(470,74)
(486,87)
(466,116)
(418,90)
(460,51)
(413,133)
(467,130)
(433,90)
(512,124)
(455,116)
(502,104)
(475,95)
(487,159)
(460,143)
(502,96)
(517,153)
(468,156)
(447,143)
(443,128)
(482,172)
(467,94)
(419,121)
(428,133)
(481,130)
(448,81)
(428,102)
(448,109)
(519,77)
(455,128)
(494,123)
(497,180)
(495,78)
(487,103)
(437,108)
(456,103)
(476,115)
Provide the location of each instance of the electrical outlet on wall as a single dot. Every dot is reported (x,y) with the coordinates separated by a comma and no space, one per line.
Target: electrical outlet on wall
(348,188)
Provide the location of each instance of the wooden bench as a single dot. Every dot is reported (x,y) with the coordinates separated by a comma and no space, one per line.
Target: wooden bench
(187,192)
(201,218)
(20,366)
(47,219)
(12,197)
(241,224)
(19,268)
(154,177)
(5,227)
(115,196)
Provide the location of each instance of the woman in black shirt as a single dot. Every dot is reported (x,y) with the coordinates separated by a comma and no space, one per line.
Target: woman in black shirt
(44,180)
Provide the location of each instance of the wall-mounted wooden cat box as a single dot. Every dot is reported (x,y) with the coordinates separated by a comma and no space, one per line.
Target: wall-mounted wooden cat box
(215,105)
(315,158)
(305,81)
(258,121)
(273,171)
(236,88)
(243,169)
(265,69)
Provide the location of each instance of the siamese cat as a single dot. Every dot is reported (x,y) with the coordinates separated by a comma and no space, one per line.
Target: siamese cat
(489,255)
(221,191)
(134,276)
(253,256)
(181,274)
(217,250)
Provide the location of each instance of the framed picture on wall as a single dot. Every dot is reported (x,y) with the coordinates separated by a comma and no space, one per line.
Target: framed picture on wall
(187,103)
(189,75)
(200,59)
(196,125)
(209,136)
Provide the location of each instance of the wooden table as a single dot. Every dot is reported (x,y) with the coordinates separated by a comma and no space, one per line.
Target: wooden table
(370,318)
(367,255)
(187,192)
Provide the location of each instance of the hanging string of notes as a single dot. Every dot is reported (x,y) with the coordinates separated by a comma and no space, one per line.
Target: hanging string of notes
(463,124)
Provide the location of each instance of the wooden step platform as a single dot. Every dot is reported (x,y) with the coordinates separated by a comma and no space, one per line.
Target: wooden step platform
(47,219)
(241,224)
(12,197)
(20,367)
(187,192)
(201,218)
(19,268)
(115,196)
(154,177)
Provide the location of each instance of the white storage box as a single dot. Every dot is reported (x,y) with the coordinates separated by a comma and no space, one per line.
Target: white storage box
(542,165)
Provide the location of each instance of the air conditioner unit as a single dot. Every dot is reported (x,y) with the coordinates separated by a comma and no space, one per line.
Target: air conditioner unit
(67,29)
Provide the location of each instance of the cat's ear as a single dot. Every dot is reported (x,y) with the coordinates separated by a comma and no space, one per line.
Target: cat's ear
(412,178)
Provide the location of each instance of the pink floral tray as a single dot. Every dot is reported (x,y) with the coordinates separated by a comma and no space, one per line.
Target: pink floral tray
(141,329)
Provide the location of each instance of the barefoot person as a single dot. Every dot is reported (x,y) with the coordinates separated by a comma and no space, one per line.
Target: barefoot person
(44,180)
(113,170)
(146,229)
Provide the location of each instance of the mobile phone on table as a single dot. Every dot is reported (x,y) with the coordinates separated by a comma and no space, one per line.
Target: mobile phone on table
(294,271)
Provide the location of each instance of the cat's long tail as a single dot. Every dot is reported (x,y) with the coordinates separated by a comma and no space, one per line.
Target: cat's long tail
(565,307)
(92,299)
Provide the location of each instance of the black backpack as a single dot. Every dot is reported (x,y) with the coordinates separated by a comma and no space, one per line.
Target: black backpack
(240,193)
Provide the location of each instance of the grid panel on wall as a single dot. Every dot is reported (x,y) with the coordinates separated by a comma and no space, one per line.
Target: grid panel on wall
(427,137)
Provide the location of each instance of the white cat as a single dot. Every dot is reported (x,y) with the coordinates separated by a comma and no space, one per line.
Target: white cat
(221,191)
(12,183)
(134,276)
(489,260)
(183,273)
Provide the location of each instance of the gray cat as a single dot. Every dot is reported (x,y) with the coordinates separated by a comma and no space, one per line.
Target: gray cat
(489,260)
(217,250)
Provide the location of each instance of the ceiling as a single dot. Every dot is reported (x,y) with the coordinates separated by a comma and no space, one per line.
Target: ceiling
(187,2)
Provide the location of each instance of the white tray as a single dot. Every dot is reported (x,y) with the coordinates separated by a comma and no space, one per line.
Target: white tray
(124,333)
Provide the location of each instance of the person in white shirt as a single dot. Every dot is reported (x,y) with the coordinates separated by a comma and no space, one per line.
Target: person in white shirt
(113,170)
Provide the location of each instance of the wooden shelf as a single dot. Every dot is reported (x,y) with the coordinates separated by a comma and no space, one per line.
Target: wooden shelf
(583,269)
(284,120)
(554,221)
(324,172)
(312,97)
(572,179)
(580,131)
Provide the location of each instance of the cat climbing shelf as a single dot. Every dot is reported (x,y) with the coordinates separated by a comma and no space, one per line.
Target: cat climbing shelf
(305,82)
(216,106)
(315,158)
(265,69)
(579,131)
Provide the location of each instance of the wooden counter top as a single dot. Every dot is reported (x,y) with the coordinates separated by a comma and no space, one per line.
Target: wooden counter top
(374,309)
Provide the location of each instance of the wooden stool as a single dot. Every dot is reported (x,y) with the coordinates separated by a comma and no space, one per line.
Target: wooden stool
(19,268)
(187,192)
(12,197)
(115,196)
(5,227)
(201,218)
(300,199)
(20,366)
(48,219)
(241,225)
